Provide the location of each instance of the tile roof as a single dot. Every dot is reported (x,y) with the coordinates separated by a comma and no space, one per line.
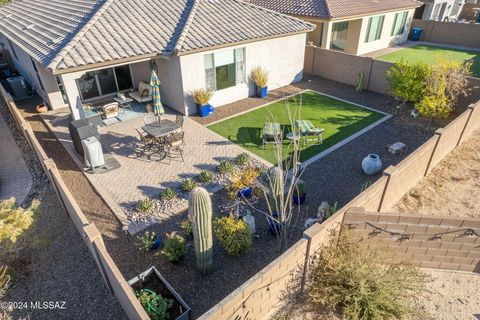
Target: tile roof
(63,34)
(332,9)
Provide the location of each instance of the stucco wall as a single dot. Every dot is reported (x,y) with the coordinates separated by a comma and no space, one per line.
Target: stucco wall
(24,66)
(282,57)
(428,13)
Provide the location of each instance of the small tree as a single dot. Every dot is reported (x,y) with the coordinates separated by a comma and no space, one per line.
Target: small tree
(446,82)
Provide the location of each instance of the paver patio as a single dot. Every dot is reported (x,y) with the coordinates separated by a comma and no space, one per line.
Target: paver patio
(138,178)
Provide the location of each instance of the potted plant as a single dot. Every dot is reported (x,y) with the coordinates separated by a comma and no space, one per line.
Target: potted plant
(41,108)
(260,77)
(201,98)
(158,297)
(242,182)
(299,194)
(149,241)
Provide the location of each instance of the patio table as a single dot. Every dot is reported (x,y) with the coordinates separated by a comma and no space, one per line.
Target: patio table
(162,129)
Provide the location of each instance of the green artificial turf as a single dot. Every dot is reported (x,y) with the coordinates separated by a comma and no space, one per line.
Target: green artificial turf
(339,119)
(428,54)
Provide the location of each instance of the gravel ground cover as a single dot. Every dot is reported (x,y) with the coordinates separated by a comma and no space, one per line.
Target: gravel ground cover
(339,120)
(340,169)
(55,265)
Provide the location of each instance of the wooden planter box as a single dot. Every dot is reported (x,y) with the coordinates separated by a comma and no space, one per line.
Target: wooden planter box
(153,280)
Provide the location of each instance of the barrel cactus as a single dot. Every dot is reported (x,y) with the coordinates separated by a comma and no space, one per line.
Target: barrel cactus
(200,214)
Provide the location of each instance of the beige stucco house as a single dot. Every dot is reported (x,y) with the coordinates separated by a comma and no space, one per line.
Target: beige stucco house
(352,26)
(86,51)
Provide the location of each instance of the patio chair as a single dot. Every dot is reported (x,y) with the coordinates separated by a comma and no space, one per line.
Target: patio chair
(179,119)
(271,132)
(148,143)
(309,131)
(174,143)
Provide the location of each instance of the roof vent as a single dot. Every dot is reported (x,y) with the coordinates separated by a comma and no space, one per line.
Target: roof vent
(56,41)
(30,26)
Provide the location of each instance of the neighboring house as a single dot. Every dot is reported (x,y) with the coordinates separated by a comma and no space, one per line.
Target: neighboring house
(76,51)
(353,26)
(440,10)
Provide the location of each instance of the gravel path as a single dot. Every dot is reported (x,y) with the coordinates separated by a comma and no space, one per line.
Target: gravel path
(56,266)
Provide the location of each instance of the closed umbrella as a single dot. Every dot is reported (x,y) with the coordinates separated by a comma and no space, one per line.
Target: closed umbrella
(157,100)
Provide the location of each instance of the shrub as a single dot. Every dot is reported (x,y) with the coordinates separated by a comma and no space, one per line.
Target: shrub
(169,194)
(146,241)
(145,205)
(14,222)
(226,167)
(188,185)
(201,96)
(205,176)
(260,76)
(243,159)
(186,226)
(350,276)
(300,189)
(242,179)
(4,281)
(234,235)
(154,304)
(408,81)
(174,249)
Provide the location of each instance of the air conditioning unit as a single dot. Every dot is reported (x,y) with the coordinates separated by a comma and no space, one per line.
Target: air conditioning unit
(19,87)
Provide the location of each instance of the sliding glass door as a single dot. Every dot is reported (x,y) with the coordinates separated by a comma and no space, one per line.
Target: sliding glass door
(104,82)
(339,36)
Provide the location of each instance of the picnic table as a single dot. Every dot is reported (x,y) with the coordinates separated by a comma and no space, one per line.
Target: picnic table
(162,129)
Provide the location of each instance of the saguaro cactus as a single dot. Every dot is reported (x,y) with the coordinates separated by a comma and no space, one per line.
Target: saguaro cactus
(200,214)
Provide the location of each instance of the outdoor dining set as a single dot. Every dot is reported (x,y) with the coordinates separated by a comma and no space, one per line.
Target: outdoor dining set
(305,132)
(163,138)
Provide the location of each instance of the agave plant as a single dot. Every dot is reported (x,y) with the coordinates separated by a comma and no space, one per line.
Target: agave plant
(188,185)
(169,194)
(226,167)
(205,176)
(145,205)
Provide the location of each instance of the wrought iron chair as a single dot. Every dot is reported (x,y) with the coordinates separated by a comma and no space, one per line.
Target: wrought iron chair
(147,143)
(174,143)
(150,118)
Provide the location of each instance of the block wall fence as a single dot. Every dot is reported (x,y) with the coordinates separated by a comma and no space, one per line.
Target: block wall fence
(427,241)
(450,33)
(346,68)
(261,295)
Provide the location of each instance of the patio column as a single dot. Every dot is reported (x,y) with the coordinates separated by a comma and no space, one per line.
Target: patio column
(71,90)
(327,35)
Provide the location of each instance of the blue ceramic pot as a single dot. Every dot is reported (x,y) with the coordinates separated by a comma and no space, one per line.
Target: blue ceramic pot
(262,92)
(371,164)
(298,200)
(205,110)
(245,192)
(273,225)
(156,244)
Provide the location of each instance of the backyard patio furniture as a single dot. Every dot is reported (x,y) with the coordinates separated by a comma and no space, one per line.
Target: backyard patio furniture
(148,144)
(271,132)
(143,94)
(294,137)
(124,103)
(110,110)
(308,130)
(162,129)
(174,143)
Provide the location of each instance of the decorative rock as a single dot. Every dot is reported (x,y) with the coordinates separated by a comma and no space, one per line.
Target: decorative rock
(322,210)
(397,148)
(371,164)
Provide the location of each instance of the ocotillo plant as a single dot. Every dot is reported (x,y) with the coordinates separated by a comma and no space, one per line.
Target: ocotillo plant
(200,214)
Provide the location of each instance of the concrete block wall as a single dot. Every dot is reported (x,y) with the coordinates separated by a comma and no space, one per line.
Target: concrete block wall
(450,33)
(426,241)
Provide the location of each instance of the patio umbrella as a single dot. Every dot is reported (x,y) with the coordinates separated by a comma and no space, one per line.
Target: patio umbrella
(157,101)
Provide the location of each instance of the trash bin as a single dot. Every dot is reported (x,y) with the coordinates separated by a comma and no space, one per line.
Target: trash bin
(79,130)
(416,32)
(93,153)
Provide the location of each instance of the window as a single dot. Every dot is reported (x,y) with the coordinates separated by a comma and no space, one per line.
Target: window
(12,47)
(339,36)
(62,90)
(399,23)
(374,29)
(224,69)
(103,82)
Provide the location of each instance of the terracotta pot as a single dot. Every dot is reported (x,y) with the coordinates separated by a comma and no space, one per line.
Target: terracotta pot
(41,108)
